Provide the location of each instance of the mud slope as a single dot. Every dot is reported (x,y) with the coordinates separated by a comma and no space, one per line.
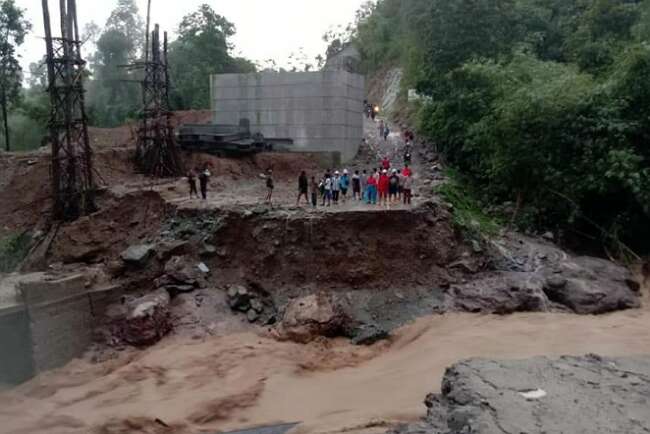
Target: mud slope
(349,250)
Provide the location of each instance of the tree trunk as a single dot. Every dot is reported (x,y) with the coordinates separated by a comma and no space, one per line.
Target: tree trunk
(520,203)
(5,121)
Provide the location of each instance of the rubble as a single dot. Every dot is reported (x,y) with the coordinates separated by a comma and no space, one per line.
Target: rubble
(138,255)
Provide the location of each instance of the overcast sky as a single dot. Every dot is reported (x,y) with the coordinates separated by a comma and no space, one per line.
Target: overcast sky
(265,28)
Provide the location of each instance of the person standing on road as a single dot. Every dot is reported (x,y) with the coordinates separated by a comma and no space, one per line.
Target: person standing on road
(363,180)
(383,187)
(371,195)
(204,177)
(345,185)
(270,185)
(407,170)
(408,189)
(381,128)
(191,178)
(400,186)
(314,190)
(386,132)
(327,188)
(303,185)
(356,186)
(393,186)
(336,187)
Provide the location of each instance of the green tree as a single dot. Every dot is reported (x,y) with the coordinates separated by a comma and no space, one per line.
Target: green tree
(13,28)
(201,49)
(114,90)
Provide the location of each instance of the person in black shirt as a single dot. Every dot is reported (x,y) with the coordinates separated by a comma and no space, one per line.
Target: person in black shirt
(303,186)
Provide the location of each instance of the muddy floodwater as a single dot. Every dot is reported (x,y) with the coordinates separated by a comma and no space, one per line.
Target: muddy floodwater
(242,380)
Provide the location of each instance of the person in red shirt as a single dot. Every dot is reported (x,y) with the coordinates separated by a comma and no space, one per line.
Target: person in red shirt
(407,171)
(383,187)
(385,163)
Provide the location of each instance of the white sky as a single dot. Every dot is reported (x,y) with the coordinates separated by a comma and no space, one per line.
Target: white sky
(265,28)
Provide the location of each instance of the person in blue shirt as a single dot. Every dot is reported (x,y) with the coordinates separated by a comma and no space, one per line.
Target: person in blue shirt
(344,183)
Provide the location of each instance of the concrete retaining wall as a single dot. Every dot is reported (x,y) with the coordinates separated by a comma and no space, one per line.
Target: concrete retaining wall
(320,111)
(60,320)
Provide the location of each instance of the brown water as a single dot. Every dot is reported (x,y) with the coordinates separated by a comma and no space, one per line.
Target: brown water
(244,380)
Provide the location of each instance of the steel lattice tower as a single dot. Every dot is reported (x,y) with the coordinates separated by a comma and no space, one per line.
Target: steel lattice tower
(71,172)
(157,153)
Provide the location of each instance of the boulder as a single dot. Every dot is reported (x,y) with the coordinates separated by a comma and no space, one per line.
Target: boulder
(167,249)
(589,285)
(500,294)
(184,271)
(369,334)
(147,319)
(138,255)
(312,316)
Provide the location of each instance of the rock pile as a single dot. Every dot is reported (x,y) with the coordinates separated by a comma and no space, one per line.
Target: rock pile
(257,307)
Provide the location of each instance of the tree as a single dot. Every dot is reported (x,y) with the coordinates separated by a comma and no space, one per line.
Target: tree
(202,49)
(114,91)
(13,28)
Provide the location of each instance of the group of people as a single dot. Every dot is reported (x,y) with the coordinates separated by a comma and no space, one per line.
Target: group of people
(382,185)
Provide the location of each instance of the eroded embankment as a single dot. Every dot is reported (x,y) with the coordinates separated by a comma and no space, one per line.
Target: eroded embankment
(335,249)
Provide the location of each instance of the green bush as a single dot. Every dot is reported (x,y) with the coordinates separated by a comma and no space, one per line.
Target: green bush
(13,249)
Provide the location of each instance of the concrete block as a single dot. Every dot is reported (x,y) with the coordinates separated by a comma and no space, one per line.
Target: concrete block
(305,106)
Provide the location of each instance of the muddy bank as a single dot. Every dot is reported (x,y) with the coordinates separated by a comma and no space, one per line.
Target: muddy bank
(588,394)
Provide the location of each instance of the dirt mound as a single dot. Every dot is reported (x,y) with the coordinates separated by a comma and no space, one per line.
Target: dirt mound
(121,221)
(24,191)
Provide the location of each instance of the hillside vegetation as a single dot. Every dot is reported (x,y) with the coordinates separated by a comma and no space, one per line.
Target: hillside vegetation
(544,104)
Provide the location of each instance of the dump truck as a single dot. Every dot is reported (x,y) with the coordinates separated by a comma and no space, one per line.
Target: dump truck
(227,140)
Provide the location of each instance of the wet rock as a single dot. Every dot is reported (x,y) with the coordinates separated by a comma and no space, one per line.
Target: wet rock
(239,298)
(592,286)
(369,334)
(493,397)
(203,268)
(308,317)
(257,305)
(548,236)
(208,251)
(500,294)
(183,270)
(147,319)
(138,255)
(252,315)
(167,249)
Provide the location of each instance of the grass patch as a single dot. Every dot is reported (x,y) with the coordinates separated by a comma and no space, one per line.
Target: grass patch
(468,213)
(13,249)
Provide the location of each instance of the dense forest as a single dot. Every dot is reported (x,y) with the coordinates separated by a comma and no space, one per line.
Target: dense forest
(540,104)
(200,47)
